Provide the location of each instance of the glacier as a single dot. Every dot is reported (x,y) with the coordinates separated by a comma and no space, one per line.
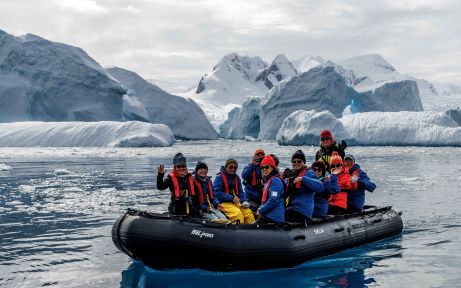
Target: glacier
(426,128)
(85,134)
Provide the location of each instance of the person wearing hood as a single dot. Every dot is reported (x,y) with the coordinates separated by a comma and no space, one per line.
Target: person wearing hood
(210,205)
(327,146)
(338,202)
(330,187)
(253,180)
(184,199)
(229,192)
(302,184)
(356,198)
(272,209)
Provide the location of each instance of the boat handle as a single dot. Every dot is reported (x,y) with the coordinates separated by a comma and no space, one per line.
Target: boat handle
(339,229)
(300,237)
(377,220)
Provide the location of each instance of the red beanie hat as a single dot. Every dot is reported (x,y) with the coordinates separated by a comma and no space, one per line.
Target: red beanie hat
(260,151)
(326,133)
(336,159)
(268,160)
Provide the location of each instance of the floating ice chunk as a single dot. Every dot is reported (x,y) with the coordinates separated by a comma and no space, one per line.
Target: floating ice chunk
(4,167)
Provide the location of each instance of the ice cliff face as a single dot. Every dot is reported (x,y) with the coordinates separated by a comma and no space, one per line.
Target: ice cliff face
(147,101)
(318,89)
(243,121)
(44,80)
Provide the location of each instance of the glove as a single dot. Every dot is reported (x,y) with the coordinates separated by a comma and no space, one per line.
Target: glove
(343,145)
(354,178)
(246,204)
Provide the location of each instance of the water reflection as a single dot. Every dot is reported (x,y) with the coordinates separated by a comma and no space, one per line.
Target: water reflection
(345,269)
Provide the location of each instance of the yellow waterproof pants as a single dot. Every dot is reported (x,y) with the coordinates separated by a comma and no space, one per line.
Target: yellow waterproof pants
(237,212)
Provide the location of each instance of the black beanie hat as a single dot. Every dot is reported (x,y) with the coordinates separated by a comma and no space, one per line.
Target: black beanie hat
(179,159)
(299,155)
(200,165)
(231,161)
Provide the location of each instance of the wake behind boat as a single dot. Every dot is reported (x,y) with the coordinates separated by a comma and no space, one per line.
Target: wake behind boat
(172,241)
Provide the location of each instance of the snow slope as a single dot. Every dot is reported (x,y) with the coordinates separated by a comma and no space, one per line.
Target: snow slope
(85,134)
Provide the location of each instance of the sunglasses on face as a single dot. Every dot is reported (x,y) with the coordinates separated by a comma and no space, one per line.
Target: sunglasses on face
(180,166)
(265,167)
(233,167)
(326,139)
(335,166)
(316,169)
(297,161)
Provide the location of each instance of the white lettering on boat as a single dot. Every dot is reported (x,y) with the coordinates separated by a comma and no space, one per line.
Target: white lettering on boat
(319,231)
(201,234)
(389,216)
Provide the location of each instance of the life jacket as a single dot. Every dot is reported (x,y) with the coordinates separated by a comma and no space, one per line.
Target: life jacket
(303,172)
(340,199)
(266,190)
(200,190)
(254,179)
(226,184)
(177,190)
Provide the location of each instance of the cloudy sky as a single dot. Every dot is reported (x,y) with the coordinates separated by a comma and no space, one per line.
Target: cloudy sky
(180,40)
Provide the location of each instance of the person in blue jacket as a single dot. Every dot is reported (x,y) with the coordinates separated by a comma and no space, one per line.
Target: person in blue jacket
(356,198)
(272,208)
(302,186)
(204,188)
(253,180)
(330,187)
(229,192)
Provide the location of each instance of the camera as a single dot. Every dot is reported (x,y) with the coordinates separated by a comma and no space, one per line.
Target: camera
(288,173)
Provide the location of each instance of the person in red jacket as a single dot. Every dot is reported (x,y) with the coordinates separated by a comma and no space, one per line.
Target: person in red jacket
(338,202)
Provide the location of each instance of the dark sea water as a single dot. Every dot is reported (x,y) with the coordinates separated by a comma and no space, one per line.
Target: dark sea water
(57,207)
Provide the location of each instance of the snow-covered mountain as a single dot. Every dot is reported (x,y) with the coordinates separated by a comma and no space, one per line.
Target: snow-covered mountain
(307,62)
(85,134)
(426,128)
(146,101)
(231,81)
(280,69)
(49,81)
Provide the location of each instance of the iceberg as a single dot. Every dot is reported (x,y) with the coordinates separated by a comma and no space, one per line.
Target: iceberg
(403,128)
(145,101)
(41,80)
(85,134)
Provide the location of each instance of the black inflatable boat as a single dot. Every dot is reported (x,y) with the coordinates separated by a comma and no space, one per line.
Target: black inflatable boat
(163,241)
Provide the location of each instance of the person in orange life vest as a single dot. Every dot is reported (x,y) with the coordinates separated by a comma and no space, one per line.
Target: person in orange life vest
(330,187)
(184,199)
(204,188)
(338,202)
(302,185)
(253,180)
(356,198)
(327,146)
(228,188)
(272,208)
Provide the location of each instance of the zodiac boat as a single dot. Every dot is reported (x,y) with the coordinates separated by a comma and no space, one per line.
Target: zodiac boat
(170,241)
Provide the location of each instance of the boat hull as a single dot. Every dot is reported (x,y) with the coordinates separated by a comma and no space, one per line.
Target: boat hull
(180,242)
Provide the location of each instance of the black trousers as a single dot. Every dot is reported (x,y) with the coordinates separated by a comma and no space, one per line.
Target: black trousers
(352,209)
(294,217)
(335,210)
